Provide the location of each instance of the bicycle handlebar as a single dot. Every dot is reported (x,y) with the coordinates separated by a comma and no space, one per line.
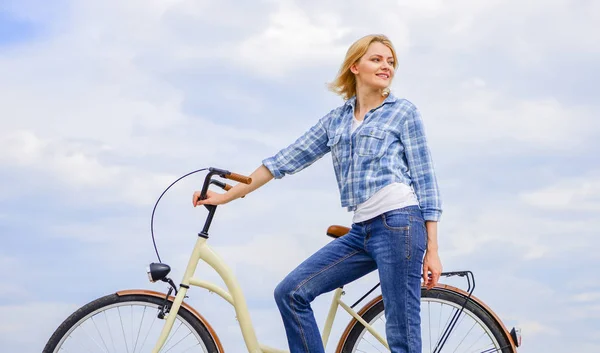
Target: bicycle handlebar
(239,178)
(207,181)
(223,174)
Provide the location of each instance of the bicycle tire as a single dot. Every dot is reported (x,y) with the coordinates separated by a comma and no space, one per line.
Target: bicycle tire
(101,305)
(350,341)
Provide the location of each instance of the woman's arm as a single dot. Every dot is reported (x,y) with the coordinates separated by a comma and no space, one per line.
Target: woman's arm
(309,147)
(431,261)
(260,177)
(420,165)
(425,185)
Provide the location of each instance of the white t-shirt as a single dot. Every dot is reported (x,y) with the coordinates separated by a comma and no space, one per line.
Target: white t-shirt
(390,197)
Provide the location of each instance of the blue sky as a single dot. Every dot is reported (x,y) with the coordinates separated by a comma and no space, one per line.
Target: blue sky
(14,30)
(104,104)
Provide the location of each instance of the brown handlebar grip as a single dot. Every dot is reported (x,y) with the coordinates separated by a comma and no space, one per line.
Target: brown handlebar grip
(239,178)
(227,187)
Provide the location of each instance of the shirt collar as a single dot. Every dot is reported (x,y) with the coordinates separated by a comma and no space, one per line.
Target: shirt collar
(351,103)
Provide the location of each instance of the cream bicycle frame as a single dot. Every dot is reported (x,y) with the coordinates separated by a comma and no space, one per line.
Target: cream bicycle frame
(236,298)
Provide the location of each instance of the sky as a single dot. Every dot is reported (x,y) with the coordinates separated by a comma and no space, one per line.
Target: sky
(104,104)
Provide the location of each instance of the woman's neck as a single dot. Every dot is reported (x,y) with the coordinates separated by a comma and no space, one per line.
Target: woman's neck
(366,99)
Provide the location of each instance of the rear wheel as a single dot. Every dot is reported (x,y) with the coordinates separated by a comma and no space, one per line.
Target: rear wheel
(475,331)
(129,324)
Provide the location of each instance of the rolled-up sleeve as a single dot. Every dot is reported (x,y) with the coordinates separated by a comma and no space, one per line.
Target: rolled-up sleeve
(307,149)
(420,166)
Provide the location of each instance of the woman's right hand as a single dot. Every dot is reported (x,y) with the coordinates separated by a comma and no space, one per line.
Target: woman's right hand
(260,177)
(212,198)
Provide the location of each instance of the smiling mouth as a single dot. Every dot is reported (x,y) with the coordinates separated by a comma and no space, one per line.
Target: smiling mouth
(384,76)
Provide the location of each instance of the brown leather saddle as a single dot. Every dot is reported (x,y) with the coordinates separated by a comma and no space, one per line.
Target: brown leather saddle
(337,231)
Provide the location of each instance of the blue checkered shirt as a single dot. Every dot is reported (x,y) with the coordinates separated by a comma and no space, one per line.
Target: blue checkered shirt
(389,146)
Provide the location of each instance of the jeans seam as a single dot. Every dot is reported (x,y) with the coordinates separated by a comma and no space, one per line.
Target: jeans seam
(408,242)
(299,324)
(303,283)
(324,269)
(406,295)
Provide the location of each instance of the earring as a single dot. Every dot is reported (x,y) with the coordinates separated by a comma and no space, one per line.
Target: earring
(385,92)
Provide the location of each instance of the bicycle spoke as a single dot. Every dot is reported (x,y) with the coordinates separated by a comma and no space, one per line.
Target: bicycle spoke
(441,332)
(109,332)
(139,329)
(463,339)
(439,323)
(123,329)
(372,345)
(197,344)
(86,348)
(452,329)
(474,343)
(92,338)
(429,314)
(173,333)
(173,346)
(131,313)
(99,334)
(491,350)
(480,350)
(149,329)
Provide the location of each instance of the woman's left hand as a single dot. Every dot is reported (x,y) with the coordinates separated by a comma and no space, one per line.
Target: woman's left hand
(431,263)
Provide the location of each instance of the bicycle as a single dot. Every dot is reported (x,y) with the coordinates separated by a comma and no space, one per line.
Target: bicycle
(464,323)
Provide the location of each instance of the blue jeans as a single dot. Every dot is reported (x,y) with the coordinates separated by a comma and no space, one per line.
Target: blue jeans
(394,243)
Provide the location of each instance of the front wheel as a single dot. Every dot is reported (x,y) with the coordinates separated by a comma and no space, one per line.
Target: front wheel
(475,331)
(128,324)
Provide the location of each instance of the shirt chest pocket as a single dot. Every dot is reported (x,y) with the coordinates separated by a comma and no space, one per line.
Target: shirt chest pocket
(370,142)
(336,147)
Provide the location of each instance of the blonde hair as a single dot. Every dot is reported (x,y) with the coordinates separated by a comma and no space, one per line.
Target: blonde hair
(345,82)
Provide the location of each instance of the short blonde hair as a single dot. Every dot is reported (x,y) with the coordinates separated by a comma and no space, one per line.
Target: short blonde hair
(345,82)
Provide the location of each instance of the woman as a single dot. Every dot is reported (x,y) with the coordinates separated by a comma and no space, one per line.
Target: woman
(385,176)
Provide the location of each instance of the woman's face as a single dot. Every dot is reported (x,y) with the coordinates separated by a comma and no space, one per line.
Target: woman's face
(375,69)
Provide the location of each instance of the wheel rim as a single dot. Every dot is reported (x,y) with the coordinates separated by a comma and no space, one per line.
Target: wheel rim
(469,335)
(128,327)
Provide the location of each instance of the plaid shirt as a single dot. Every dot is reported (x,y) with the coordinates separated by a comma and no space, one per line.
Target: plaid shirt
(389,146)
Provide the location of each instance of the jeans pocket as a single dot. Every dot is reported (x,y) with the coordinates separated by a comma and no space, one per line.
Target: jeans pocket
(396,221)
(399,224)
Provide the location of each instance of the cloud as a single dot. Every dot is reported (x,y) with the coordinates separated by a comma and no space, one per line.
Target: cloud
(293,39)
(587,297)
(535,328)
(572,194)
(17,334)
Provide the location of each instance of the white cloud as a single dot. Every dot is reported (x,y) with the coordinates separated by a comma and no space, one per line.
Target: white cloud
(475,114)
(573,194)
(587,297)
(535,328)
(293,39)
(20,334)
(69,165)
(529,236)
